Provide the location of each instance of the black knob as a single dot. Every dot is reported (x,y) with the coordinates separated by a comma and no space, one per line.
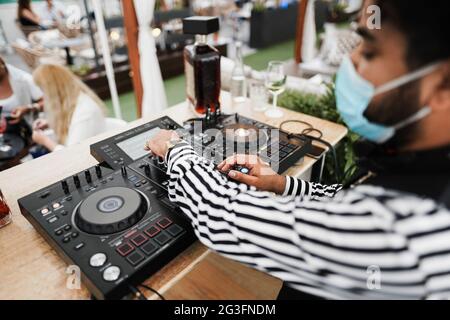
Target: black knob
(65,186)
(88,176)
(123,169)
(98,171)
(147,170)
(76,181)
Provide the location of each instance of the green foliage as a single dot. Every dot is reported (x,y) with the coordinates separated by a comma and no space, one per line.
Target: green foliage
(324,107)
(259,5)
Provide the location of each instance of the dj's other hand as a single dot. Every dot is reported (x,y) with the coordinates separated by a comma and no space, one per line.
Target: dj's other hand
(158,144)
(40,124)
(260,176)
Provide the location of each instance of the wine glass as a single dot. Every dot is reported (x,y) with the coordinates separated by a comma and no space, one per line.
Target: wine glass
(275,83)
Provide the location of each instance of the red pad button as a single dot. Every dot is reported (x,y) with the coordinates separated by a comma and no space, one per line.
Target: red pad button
(164,222)
(152,231)
(139,239)
(124,249)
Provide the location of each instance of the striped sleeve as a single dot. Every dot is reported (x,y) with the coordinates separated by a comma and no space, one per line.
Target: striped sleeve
(300,188)
(365,243)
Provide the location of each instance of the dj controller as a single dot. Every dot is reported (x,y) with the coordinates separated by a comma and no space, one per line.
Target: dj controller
(115,221)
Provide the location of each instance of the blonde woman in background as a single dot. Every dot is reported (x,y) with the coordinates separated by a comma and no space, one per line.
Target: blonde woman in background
(72,110)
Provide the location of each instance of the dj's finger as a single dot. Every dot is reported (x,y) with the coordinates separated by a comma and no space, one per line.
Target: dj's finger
(244,178)
(220,165)
(226,164)
(147,146)
(249,161)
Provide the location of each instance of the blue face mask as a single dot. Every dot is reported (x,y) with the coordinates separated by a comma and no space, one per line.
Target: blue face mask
(354,94)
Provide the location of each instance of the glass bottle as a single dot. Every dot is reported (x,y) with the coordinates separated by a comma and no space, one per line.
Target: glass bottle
(238,86)
(5,213)
(202,65)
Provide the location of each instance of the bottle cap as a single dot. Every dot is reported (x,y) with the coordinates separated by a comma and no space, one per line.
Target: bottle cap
(200,25)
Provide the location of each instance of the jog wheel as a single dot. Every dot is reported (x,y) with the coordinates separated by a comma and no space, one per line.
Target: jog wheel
(110,210)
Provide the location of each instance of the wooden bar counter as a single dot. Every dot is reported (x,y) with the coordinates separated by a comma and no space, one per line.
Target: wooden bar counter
(30,269)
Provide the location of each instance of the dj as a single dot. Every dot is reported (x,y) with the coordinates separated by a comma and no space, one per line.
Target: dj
(329,242)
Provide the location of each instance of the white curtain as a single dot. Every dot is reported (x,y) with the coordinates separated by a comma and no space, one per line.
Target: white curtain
(154,98)
(309,34)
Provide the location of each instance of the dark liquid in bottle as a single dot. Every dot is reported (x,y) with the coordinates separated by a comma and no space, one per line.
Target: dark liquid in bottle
(202,68)
(5,214)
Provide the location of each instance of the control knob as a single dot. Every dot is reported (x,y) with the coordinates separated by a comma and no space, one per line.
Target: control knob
(111,273)
(147,170)
(171,126)
(76,181)
(87,175)
(65,186)
(98,171)
(97,260)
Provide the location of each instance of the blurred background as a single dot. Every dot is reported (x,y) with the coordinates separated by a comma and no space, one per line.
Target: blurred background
(309,37)
(267,30)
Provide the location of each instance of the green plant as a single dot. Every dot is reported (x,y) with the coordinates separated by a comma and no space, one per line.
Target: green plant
(324,107)
(80,70)
(259,5)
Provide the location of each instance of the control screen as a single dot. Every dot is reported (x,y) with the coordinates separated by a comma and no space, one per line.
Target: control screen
(134,146)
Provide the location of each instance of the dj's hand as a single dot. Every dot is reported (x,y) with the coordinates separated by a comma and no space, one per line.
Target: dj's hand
(260,176)
(158,145)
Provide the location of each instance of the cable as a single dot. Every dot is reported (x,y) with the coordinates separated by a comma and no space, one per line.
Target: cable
(306,133)
(154,291)
(137,292)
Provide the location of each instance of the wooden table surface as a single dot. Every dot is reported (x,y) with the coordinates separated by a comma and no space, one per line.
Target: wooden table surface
(30,269)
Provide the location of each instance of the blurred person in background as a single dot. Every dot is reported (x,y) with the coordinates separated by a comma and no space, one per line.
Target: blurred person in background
(72,111)
(51,11)
(26,15)
(19,95)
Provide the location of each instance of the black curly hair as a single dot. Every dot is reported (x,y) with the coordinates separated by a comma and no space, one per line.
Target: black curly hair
(426,26)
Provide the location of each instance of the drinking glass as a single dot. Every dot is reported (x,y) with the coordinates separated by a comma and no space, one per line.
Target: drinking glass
(258,95)
(275,83)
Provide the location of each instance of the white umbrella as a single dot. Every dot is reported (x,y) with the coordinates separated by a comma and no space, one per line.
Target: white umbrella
(309,34)
(154,97)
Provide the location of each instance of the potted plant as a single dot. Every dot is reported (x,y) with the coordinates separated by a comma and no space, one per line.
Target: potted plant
(272,25)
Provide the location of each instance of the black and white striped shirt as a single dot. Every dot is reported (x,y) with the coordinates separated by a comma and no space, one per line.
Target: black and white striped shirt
(363,243)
